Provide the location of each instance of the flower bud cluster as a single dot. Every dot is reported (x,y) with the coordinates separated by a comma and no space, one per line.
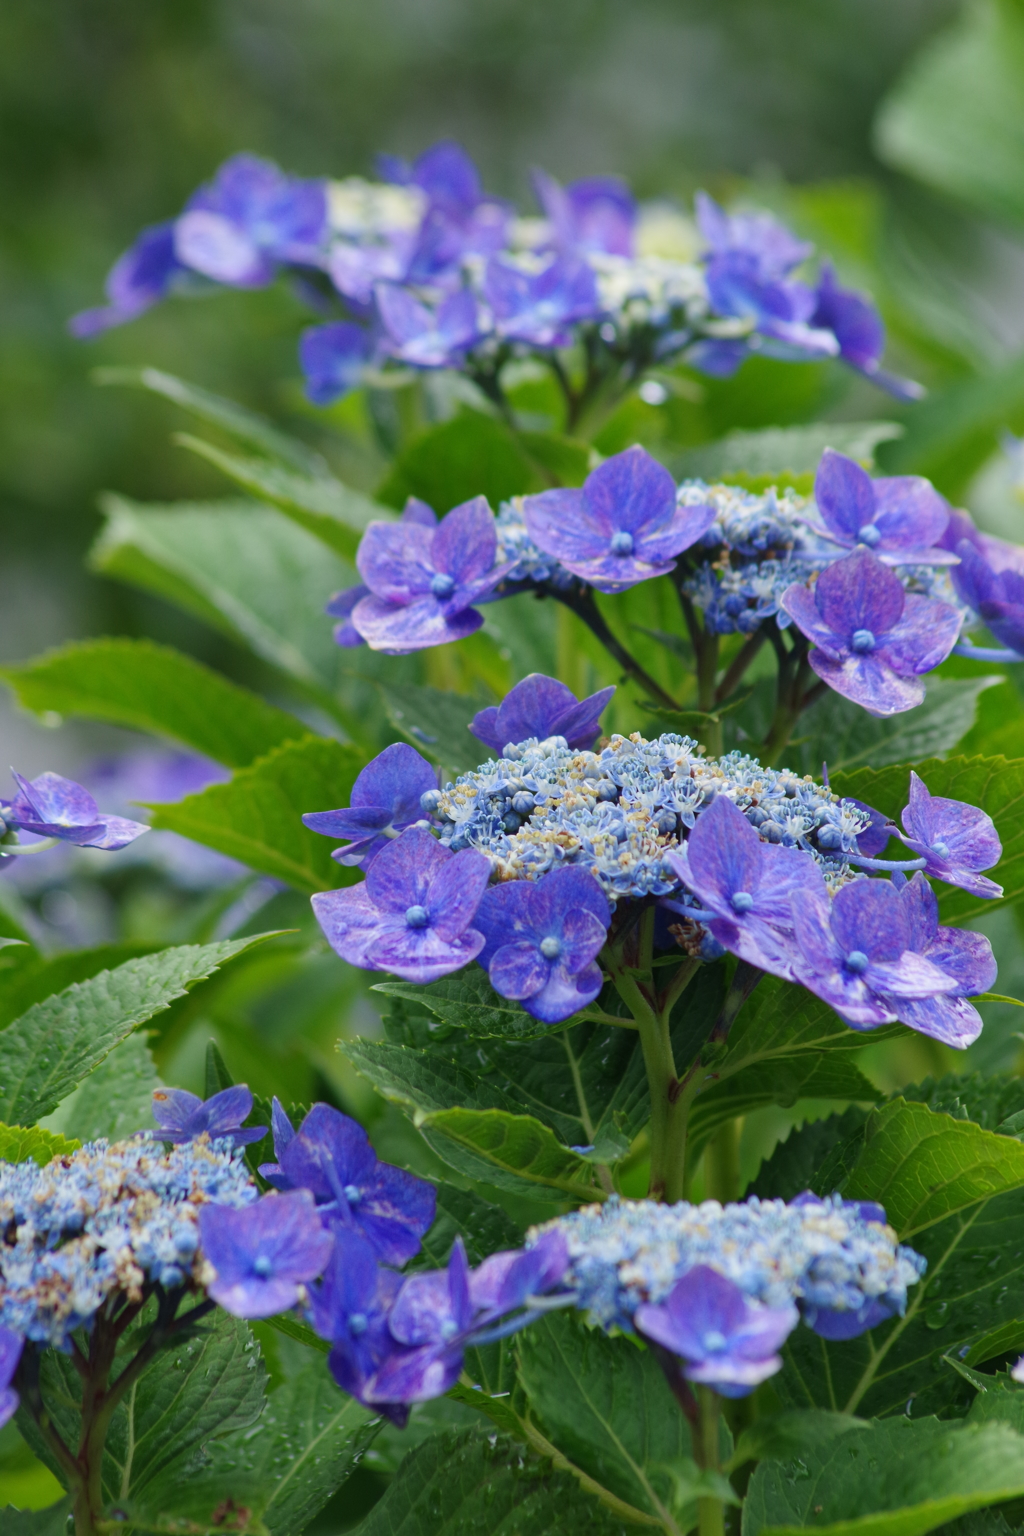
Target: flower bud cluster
(827,1256)
(109,1217)
(619,811)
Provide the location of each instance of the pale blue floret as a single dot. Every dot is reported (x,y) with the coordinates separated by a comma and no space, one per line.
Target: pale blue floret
(109,1217)
(824,1256)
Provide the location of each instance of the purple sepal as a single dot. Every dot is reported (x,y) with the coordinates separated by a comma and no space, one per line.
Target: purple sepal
(428,338)
(857,326)
(748,884)
(876,835)
(622,528)
(900,519)
(997,596)
(333,358)
(52,806)
(723,1340)
(330,1155)
(541,706)
(283,1133)
(540,308)
(11,1345)
(248,219)
(263,1253)
(431,1317)
(139,279)
(964,956)
(542,938)
(835,1324)
(385,800)
(505,1281)
(412,915)
(349,1308)
(872,640)
(597,214)
(958,840)
(340,607)
(182,1116)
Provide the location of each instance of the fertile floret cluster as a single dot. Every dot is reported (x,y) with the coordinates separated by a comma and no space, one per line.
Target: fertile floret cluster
(107,1218)
(836,1260)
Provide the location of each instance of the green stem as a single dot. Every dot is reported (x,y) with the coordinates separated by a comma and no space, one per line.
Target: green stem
(739,664)
(722,1163)
(794,673)
(705,648)
(584,606)
(710,1511)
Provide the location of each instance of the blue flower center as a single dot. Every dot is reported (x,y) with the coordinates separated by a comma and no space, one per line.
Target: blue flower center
(449,1329)
(713,1341)
(622,543)
(869,535)
(857,962)
(357,1323)
(262,1266)
(550,948)
(416,917)
(353,1194)
(942,849)
(742,901)
(442,585)
(862,640)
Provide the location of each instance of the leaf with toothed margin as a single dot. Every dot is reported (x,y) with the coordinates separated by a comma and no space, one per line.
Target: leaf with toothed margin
(513,1152)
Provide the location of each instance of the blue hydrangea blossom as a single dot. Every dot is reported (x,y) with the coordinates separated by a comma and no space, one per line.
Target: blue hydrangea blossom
(261,1259)
(385,801)
(957,841)
(11,1345)
(900,518)
(182,1116)
(52,806)
(724,1340)
(540,707)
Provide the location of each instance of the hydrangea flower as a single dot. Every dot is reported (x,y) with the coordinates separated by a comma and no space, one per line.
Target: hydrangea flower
(623,527)
(249,218)
(857,954)
(11,1345)
(330,1156)
(342,603)
(333,358)
(182,1116)
(140,278)
(428,338)
(996,596)
(872,640)
(52,806)
(858,1314)
(422,581)
(350,1309)
(540,307)
(542,939)
(385,800)
(900,518)
(413,913)
(724,1340)
(540,707)
(745,885)
(596,214)
(964,956)
(956,840)
(263,1256)
(431,1317)
(857,326)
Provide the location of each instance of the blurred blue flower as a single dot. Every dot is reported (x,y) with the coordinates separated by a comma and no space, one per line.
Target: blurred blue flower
(11,1345)
(724,1340)
(413,913)
(52,806)
(140,278)
(424,337)
(623,527)
(386,798)
(996,596)
(596,214)
(857,326)
(330,1155)
(263,1255)
(250,218)
(540,707)
(333,358)
(539,307)
(182,1116)
(542,939)
(872,639)
(350,1309)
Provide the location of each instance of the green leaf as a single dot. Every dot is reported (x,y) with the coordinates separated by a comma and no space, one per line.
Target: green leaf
(149,687)
(469,1002)
(470,455)
(483,1227)
(782,450)
(243,425)
(471,1481)
(19,1143)
(308,1441)
(780,1436)
(841,734)
(330,511)
(924,1166)
(605,1404)
(894,1478)
(796,1164)
(115,1100)
(952,119)
(513,1152)
(993,783)
(59,1041)
(999,1400)
(39,976)
(256,818)
(437,723)
(52,1521)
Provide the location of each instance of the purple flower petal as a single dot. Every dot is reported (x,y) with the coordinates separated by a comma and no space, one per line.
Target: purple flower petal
(455,893)
(465,542)
(394,560)
(262,1253)
(402,875)
(518,970)
(844,494)
(859,593)
(414,627)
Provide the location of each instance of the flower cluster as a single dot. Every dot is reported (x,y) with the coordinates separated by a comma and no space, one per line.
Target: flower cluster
(521,863)
(860,571)
(722,1286)
(108,1218)
(431,271)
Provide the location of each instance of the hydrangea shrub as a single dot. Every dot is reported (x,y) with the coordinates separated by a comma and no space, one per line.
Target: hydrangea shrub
(609,915)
